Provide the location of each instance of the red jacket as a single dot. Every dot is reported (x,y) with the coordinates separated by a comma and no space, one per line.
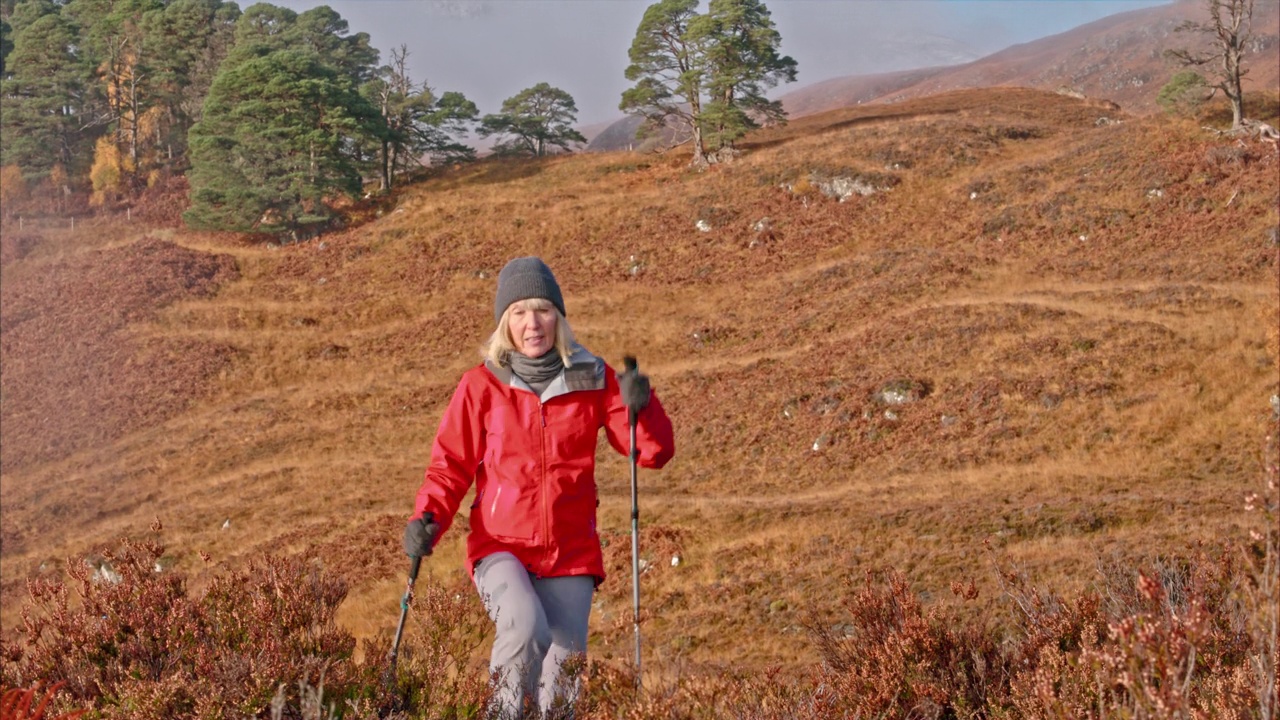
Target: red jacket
(533,462)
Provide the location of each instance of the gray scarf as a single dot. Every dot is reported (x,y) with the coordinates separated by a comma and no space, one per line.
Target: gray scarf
(538,372)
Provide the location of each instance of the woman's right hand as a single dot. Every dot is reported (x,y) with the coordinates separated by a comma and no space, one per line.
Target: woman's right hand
(420,535)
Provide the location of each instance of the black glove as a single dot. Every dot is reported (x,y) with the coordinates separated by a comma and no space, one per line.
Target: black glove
(420,535)
(634,389)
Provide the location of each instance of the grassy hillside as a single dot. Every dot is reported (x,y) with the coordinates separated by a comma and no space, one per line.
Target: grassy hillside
(1046,326)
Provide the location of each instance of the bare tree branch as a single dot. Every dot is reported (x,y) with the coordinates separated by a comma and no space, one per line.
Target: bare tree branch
(1230,28)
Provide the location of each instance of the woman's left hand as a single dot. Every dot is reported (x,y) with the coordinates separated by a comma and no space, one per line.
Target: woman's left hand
(634,389)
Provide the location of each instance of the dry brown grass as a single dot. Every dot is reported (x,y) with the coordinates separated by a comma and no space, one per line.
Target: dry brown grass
(1103,397)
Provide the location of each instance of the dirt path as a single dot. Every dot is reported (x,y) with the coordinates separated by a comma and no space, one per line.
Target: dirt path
(1043,293)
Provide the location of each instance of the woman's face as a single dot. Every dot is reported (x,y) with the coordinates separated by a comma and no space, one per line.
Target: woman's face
(533,327)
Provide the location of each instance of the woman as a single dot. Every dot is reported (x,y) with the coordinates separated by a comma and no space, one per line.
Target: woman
(523,425)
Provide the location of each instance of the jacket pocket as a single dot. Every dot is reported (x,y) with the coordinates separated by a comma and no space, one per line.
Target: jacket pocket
(509,512)
(508,502)
(573,513)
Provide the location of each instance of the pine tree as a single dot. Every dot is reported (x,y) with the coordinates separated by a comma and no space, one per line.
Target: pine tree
(667,67)
(534,120)
(282,125)
(449,117)
(6,45)
(29,11)
(189,38)
(325,33)
(275,144)
(741,63)
(136,70)
(40,125)
(706,73)
(263,29)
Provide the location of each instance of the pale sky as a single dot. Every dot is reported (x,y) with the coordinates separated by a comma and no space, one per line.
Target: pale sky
(490,50)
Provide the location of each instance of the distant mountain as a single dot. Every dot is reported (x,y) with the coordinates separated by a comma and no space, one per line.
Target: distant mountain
(853,90)
(591,131)
(621,135)
(1119,58)
(618,135)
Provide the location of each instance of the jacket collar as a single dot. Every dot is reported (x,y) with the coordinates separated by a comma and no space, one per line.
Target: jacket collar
(584,372)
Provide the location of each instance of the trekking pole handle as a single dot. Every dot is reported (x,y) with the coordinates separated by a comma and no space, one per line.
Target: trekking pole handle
(629,365)
(414,565)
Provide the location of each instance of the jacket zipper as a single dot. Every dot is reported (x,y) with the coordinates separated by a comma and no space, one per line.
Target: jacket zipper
(546,519)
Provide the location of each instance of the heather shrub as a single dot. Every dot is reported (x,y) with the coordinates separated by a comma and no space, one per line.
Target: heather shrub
(894,658)
(117,643)
(129,641)
(1180,638)
(1166,641)
(439,671)
(609,691)
(1185,637)
(270,624)
(1189,637)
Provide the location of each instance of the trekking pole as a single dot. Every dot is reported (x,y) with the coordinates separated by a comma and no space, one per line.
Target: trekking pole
(414,564)
(630,363)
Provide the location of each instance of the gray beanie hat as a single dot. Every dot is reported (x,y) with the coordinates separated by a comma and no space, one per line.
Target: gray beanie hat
(524,278)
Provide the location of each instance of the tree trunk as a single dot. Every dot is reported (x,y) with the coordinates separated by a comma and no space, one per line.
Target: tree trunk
(1235,91)
(135,108)
(386,165)
(699,155)
(695,117)
(1231,24)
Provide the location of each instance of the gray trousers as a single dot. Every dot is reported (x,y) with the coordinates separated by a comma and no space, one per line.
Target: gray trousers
(539,623)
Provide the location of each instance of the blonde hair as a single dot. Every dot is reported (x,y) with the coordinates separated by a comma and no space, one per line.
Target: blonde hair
(500,344)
